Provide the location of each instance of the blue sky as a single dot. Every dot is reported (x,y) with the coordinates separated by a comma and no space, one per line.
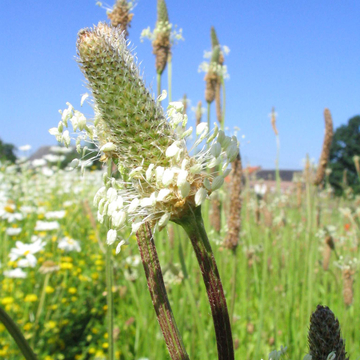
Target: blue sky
(299,56)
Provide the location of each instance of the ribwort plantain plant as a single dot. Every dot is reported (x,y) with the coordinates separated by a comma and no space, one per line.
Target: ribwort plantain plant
(159,181)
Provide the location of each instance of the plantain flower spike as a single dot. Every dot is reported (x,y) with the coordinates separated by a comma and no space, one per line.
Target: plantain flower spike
(198,113)
(211,78)
(120,15)
(324,336)
(163,37)
(214,43)
(159,178)
(161,44)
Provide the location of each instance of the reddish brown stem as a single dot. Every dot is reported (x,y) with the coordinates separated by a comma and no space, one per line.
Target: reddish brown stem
(193,224)
(158,294)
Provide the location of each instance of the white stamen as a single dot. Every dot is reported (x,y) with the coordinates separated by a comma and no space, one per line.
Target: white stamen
(200,196)
(217,183)
(111,236)
(133,205)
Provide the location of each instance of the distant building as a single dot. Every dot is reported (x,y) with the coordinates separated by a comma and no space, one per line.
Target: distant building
(50,150)
(268,177)
(40,153)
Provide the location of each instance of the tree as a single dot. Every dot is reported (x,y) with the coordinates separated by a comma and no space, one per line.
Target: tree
(345,145)
(7,152)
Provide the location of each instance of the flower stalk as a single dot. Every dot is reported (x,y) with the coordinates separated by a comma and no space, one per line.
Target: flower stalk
(192,222)
(277,171)
(109,300)
(158,293)
(15,332)
(109,293)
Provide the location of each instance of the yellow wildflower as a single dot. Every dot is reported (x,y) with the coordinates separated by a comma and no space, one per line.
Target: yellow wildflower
(4,350)
(95,276)
(27,326)
(31,298)
(50,325)
(66,266)
(49,289)
(7,300)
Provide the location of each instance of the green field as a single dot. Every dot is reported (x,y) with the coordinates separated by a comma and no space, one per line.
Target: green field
(280,279)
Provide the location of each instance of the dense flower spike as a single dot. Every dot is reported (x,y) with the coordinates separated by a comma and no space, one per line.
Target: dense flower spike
(273,121)
(120,15)
(161,44)
(329,132)
(324,335)
(215,69)
(126,114)
(214,43)
(158,176)
(198,113)
(234,220)
(211,78)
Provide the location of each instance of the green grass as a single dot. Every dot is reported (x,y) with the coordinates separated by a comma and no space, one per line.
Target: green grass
(280,280)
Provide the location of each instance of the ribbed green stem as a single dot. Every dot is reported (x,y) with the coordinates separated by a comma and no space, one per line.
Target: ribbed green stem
(109,293)
(233,286)
(208,118)
(277,174)
(158,81)
(42,298)
(41,305)
(109,300)
(262,298)
(15,332)
(308,204)
(158,294)
(208,114)
(169,65)
(223,104)
(193,224)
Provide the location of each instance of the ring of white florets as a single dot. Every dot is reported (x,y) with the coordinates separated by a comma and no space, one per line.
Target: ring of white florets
(220,70)
(162,28)
(156,193)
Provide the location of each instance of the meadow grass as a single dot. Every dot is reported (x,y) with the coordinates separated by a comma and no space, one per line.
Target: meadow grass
(280,279)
